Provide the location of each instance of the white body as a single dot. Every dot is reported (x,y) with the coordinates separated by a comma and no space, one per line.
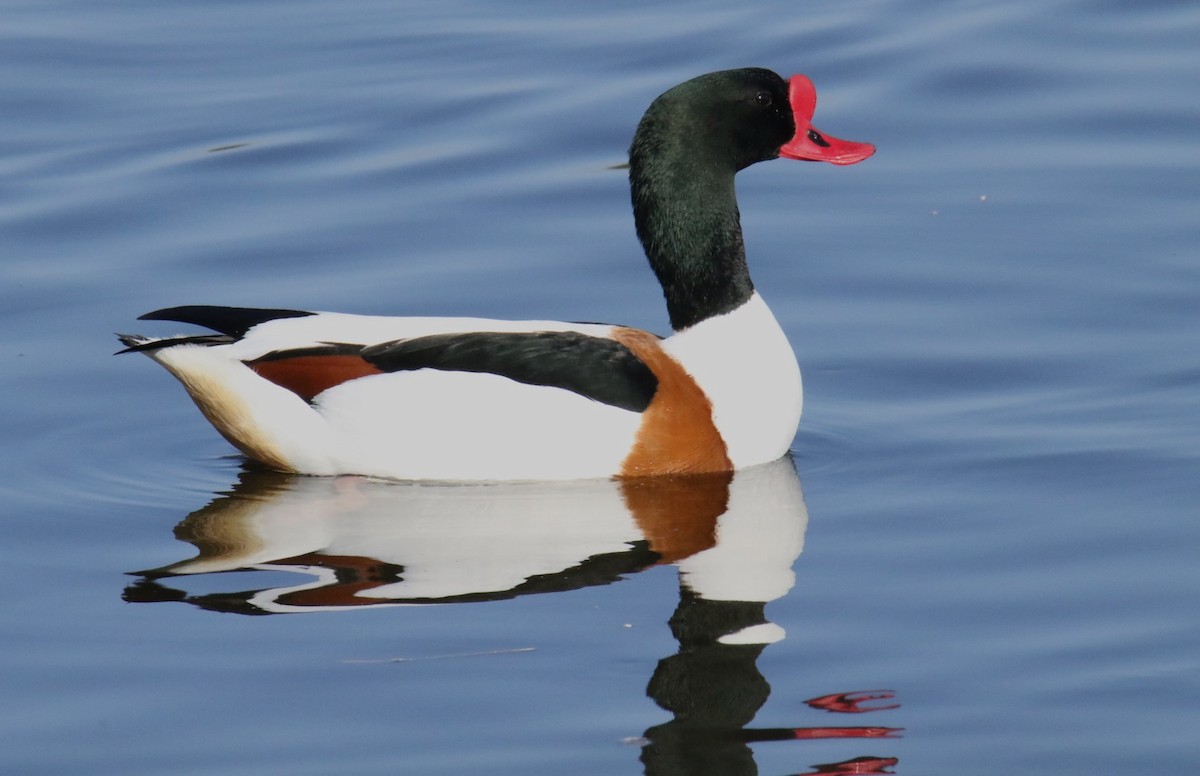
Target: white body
(441,425)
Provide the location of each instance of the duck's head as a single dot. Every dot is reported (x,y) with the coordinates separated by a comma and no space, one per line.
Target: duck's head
(688,146)
(734,118)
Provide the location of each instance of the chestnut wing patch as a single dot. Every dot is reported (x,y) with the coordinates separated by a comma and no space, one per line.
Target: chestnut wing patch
(600,369)
(307,372)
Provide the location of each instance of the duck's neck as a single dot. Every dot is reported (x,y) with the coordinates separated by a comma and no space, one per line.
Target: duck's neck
(687,219)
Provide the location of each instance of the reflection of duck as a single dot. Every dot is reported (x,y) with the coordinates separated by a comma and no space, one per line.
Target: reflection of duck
(733,537)
(367,543)
(470,399)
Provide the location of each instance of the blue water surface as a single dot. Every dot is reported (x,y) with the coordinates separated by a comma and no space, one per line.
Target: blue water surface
(996,317)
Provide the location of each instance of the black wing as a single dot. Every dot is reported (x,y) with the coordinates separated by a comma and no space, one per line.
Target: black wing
(233,321)
(600,369)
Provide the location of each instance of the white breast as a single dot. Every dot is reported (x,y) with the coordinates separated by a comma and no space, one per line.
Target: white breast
(746,366)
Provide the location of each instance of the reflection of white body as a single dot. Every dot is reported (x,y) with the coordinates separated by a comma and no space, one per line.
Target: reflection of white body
(459,540)
(757,542)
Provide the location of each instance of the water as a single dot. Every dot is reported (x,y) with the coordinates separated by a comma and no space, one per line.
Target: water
(995,316)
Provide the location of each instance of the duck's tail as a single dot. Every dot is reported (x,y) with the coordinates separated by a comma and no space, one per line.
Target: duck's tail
(261,419)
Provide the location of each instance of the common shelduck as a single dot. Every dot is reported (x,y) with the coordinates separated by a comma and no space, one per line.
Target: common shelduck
(422,398)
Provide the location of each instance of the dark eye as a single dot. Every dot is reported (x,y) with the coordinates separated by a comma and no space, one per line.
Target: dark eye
(763,98)
(815,136)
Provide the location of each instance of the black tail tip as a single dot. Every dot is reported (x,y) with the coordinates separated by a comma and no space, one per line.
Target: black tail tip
(132,343)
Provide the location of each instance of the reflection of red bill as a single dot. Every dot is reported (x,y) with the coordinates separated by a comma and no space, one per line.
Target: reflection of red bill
(859,766)
(810,145)
(851,702)
(813,733)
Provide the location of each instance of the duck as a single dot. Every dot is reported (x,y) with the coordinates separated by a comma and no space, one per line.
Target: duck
(474,399)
